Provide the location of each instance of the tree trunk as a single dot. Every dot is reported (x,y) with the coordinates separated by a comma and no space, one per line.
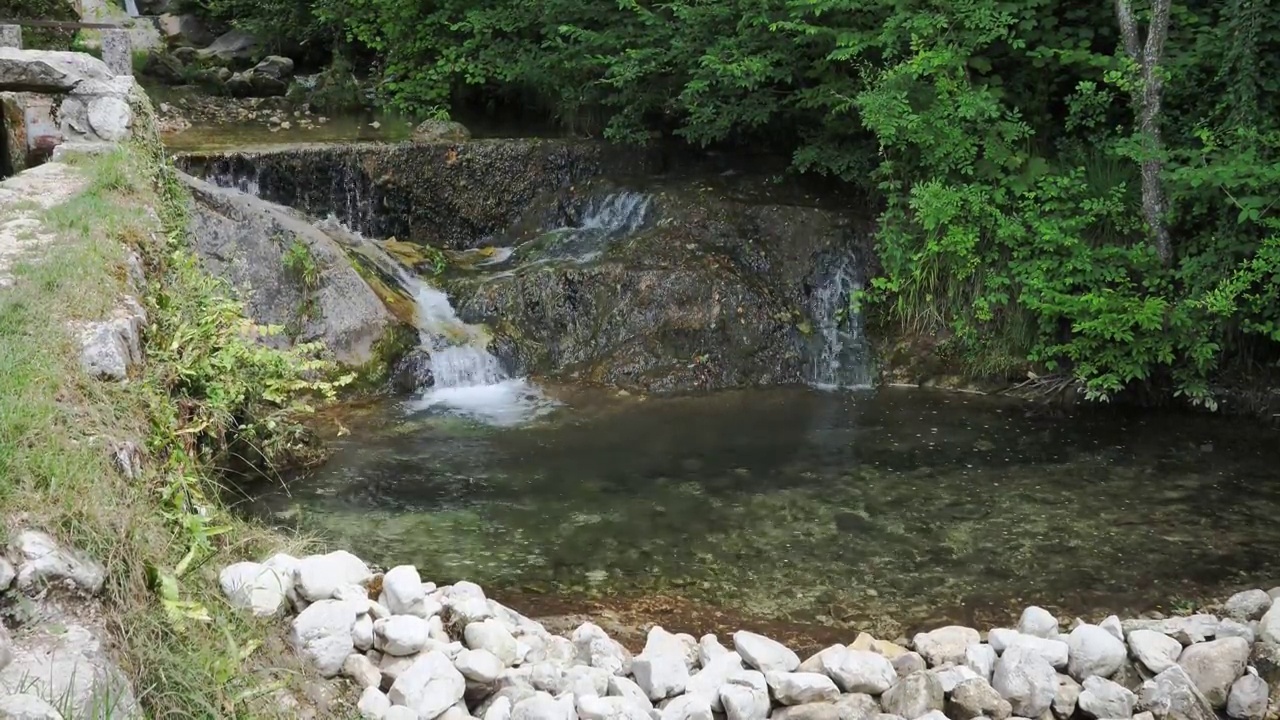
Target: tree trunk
(1146,100)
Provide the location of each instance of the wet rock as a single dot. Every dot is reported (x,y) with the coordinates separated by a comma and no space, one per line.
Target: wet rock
(857,671)
(412,372)
(67,662)
(1213,667)
(1156,651)
(945,645)
(42,562)
(1247,605)
(976,698)
(909,663)
(764,654)
(1038,622)
(597,649)
(1171,695)
(1026,680)
(254,587)
(1101,698)
(237,237)
(441,131)
(269,78)
(430,686)
(914,696)
(741,702)
(798,688)
(1066,697)
(24,706)
(981,658)
(322,634)
(1094,651)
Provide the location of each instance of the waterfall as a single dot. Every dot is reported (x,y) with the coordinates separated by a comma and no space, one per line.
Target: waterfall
(839,355)
(466,378)
(587,230)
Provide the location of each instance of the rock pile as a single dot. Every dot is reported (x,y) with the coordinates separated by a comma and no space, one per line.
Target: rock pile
(428,652)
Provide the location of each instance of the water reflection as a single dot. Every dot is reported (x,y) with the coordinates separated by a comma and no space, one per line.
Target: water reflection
(810,505)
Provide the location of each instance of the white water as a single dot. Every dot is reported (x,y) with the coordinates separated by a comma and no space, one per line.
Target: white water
(603,220)
(840,357)
(468,380)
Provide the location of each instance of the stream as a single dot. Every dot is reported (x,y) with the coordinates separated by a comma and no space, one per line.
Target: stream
(820,506)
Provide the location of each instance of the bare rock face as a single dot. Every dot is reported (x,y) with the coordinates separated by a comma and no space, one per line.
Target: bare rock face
(72,667)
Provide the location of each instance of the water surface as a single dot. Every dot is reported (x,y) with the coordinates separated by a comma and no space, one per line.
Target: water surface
(877,510)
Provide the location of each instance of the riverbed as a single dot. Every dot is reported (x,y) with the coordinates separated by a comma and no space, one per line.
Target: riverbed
(888,509)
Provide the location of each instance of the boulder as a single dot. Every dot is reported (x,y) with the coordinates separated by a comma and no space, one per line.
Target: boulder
(493,636)
(1213,667)
(1248,698)
(373,704)
(1101,698)
(322,634)
(1247,605)
(1112,625)
(400,635)
(662,668)
(981,658)
(1186,630)
(1171,695)
(999,638)
(479,666)
(1156,651)
(430,685)
(764,654)
(234,47)
(1026,680)
(49,72)
(857,706)
(1038,622)
(713,676)
(67,663)
(950,677)
(811,711)
(362,633)
(320,576)
(945,645)
(400,712)
(362,671)
(1094,651)
(914,696)
(858,671)
(685,707)
(1232,628)
(238,237)
(909,663)
(1055,652)
(619,686)
(402,591)
(976,698)
(1269,625)
(597,649)
(709,648)
(1066,698)
(799,688)
(254,587)
(741,702)
(43,562)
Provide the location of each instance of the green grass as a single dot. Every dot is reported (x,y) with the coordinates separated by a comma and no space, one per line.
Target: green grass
(56,426)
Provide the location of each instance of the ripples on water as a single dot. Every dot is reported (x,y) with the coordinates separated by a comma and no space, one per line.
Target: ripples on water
(807,505)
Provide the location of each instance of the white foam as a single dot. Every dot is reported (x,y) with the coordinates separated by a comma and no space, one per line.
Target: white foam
(505,403)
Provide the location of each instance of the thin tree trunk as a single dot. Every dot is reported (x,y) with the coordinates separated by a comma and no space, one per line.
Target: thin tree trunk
(1146,98)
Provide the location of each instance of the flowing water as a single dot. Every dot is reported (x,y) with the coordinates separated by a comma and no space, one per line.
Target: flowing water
(876,510)
(839,356)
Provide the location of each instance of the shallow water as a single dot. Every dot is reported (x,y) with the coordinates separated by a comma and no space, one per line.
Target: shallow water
(877,510)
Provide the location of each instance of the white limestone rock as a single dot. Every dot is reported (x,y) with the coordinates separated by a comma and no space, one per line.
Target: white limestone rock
(798,688)
(687,707)
(25,706)
(362,671)
(1247,605)
(400,635)
(1094,651)
(707,682)
(254,587)
(594,707)
(1112,625)
(1232,628)
(1156,651)
(981,658)
(709,648)
(1214,666)
(597,649)
(430,685)
(626,688)
(914,696)
(362,633)
(1066,698)
(41,562)
(764,654)
(1248,698)
(1268,626)
(662,669)
(403,592)
(1171,695)
(858,671)
(950,677)
(945,645)
(999,638)
(479,666)
(319,576)
(1026,680)
(322,634)
(500,709)
(744,703)
(1054,651)
(1101,698)
(1038,622)
(975,698)
(492,635)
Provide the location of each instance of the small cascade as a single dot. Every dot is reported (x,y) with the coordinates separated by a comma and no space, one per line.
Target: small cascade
(466,377)
(590,228)
(839,355)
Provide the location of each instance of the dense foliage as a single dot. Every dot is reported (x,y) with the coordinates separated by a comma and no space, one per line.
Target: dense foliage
(1003,141)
